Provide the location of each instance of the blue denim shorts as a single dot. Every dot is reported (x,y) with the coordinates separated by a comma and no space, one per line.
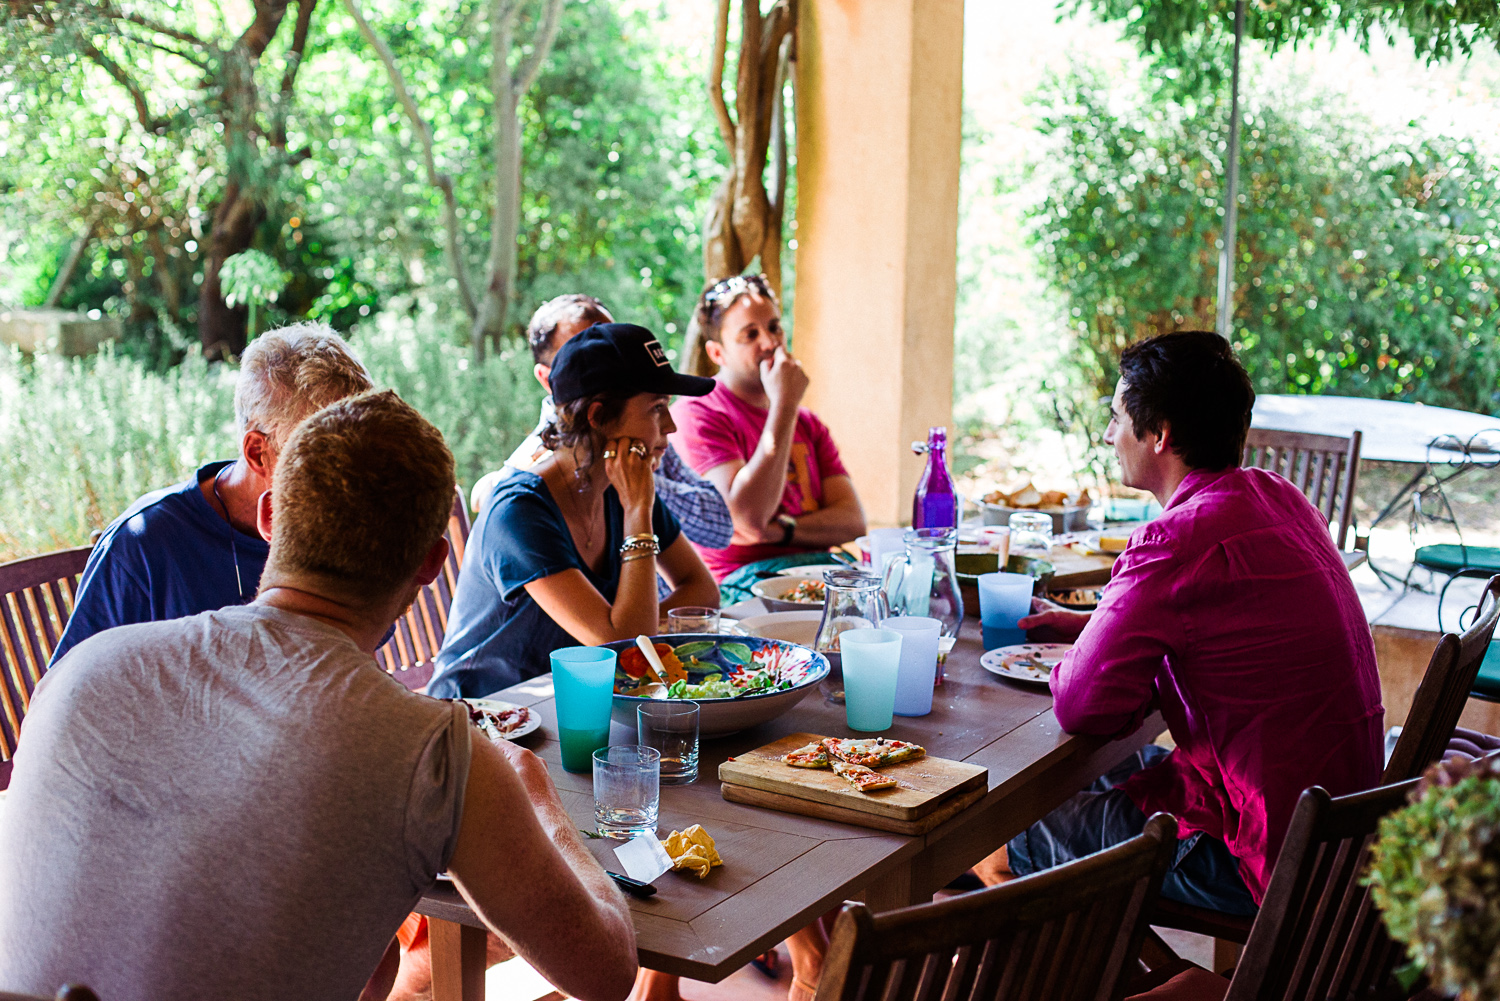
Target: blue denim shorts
(1203,873)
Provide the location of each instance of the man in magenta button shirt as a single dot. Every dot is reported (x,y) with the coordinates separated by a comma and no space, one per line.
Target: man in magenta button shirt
(1233,614)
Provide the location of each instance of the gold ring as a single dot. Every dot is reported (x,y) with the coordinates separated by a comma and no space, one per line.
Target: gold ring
(609,453)
(638,450)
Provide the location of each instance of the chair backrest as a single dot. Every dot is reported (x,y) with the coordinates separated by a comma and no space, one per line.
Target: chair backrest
(1067,933)
(36,598)
(1444,691)
(1318,934)
(1324,467)
(409,653)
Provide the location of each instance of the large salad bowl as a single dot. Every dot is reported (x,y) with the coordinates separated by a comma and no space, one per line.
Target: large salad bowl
(737,681)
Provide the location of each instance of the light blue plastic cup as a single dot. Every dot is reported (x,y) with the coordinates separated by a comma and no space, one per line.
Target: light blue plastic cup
(918,672)
(1004,599)
(583,682)
(872,664)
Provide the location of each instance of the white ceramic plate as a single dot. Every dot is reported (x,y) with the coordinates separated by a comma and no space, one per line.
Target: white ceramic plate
(497,708)
(1021,662)
(813,570)
(794,627)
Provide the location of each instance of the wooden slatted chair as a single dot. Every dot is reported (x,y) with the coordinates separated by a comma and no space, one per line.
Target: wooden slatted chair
(409,654)
(1318,935)
(1444,691)
(36,598)
(1324,467)
(1068,933)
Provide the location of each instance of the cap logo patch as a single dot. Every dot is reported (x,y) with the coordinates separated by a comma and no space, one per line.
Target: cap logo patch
(657,353)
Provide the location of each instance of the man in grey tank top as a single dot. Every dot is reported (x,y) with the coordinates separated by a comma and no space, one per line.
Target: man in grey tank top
(241,804)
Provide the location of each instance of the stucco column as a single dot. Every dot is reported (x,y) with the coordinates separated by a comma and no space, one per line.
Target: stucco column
(879,108)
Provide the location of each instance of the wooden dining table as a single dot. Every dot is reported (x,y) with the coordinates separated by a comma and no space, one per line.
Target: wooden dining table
(782,870)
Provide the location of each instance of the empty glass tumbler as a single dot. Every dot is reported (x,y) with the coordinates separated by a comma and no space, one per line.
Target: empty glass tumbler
(671,728)
(627,790)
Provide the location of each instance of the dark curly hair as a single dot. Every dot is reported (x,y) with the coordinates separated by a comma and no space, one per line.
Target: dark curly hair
(571,428)
(1192,381)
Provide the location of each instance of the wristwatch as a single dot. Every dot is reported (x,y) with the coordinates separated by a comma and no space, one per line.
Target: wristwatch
(789,525)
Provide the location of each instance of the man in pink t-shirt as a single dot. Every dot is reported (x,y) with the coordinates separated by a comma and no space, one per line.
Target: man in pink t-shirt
(772,459)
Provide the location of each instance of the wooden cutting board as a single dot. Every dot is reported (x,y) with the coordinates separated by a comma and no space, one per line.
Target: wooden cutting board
(928,787)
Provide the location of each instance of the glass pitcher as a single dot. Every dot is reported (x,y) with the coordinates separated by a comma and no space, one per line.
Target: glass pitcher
(852,599)
(923,582)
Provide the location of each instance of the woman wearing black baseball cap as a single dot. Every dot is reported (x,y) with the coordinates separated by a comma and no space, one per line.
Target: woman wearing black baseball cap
(568,553)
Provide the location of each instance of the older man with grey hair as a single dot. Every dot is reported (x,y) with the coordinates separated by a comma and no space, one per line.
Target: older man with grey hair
(194,547)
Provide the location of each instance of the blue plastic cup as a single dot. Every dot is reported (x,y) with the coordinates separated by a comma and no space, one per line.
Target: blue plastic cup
(583,682)
(1004,599)
(872,663)
(918,671)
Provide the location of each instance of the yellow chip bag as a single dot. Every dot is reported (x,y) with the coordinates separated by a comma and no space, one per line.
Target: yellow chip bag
(693,850)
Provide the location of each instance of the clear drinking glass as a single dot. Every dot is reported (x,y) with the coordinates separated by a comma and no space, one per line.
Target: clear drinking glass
(693,619)
(918,670)
(1031,534)
(1004,599)
(872,662)
(671,728)
(583,683)
(627,790)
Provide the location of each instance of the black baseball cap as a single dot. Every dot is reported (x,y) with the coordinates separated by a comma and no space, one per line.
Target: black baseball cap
(618,356)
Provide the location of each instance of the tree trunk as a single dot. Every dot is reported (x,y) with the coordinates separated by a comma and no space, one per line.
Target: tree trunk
(495,297)
(505,221)
(65,274)
(743,220)
(221,329)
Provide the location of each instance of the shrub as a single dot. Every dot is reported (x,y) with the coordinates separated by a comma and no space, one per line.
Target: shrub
(80,439)
(1435,875)
(1366,267)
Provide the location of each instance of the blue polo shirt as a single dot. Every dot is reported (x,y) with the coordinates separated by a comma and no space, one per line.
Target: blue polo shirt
(168,556)
(497,634)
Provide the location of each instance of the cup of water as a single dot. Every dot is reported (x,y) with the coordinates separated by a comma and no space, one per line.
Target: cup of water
(627,790)
(583,682)
(671,728)
(872,662)
(1004,599)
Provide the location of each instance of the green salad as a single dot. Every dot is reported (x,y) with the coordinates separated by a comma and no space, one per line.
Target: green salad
(713,686)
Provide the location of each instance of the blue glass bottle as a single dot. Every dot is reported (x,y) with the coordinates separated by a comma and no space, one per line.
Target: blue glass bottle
(936,502)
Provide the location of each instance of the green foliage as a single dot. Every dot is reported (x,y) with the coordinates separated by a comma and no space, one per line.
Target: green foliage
(80,439)
(1435,876)
(1194,37)
(251,277)
(619,159)
(1365,268)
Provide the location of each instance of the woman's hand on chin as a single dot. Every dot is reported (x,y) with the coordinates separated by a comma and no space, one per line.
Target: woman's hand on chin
(627,463)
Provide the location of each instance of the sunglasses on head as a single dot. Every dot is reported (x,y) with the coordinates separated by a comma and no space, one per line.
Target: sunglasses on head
(723,293)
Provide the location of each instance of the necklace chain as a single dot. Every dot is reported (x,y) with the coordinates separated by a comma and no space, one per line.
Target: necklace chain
(234,553)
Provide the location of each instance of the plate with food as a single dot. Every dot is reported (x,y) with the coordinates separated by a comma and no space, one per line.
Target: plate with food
(790,594)
(502,720)
(1031,663)
(737,681)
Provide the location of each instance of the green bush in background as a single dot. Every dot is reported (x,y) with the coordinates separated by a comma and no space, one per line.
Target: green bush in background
(1366,267)
(80,439)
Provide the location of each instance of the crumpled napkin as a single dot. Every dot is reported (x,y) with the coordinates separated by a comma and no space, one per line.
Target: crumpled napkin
(693,850)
